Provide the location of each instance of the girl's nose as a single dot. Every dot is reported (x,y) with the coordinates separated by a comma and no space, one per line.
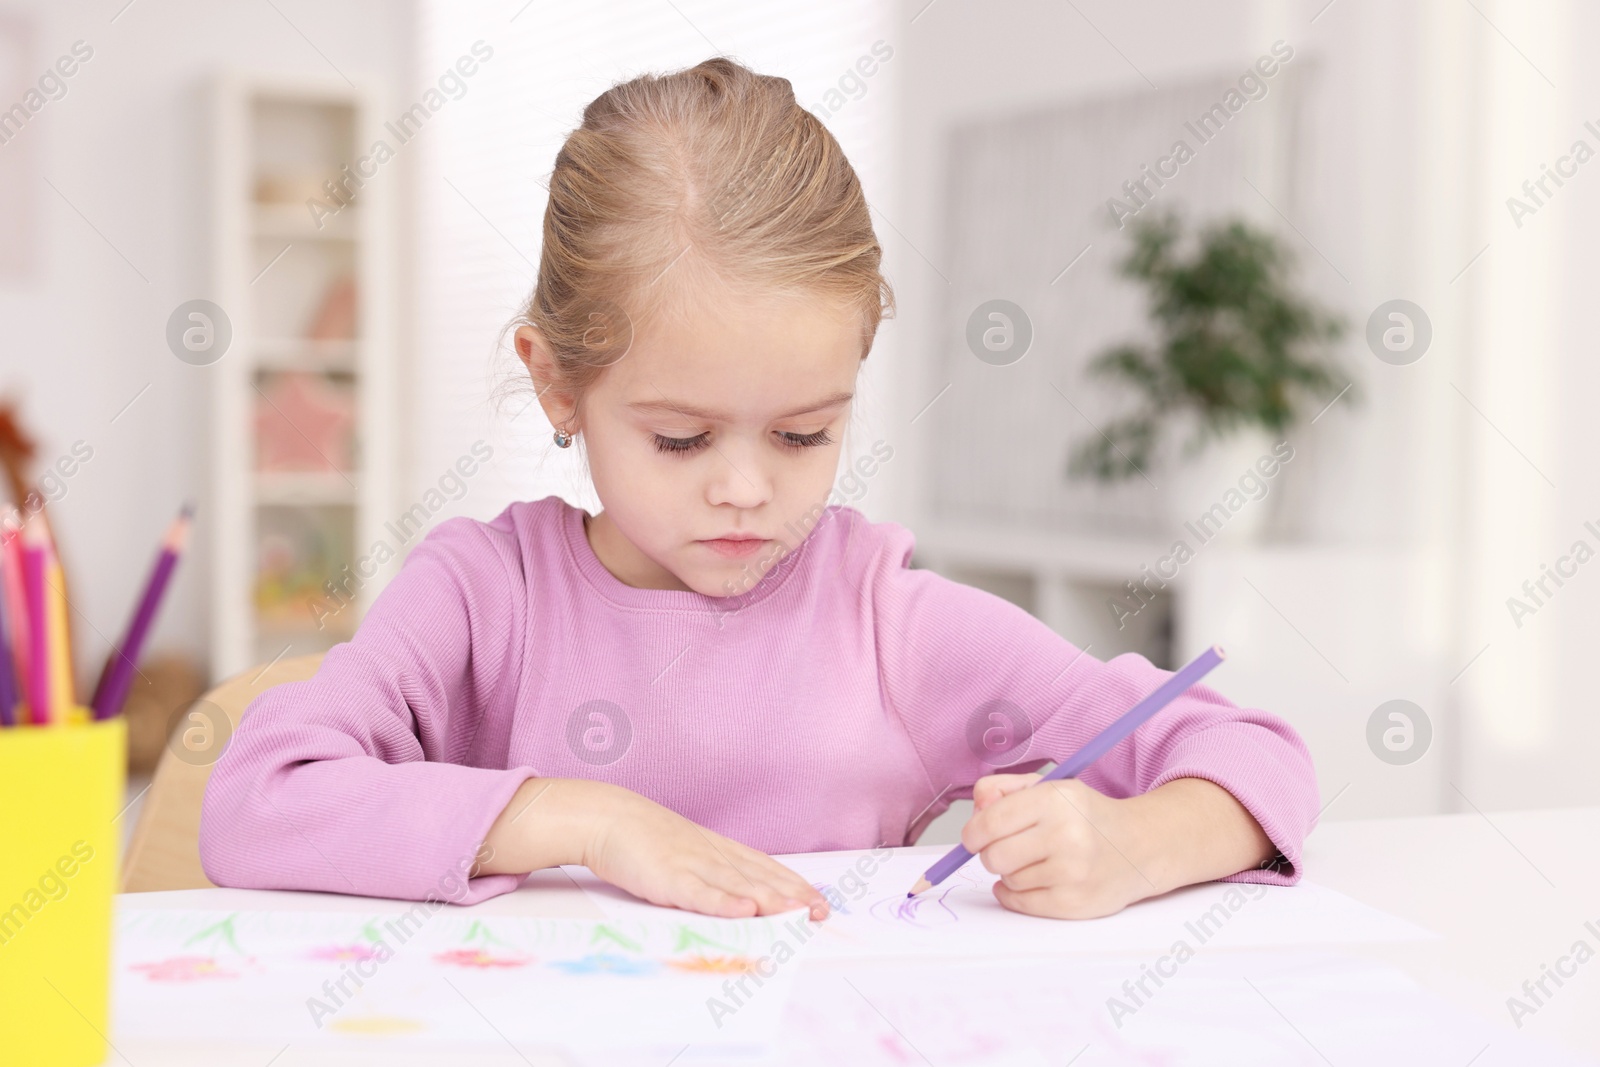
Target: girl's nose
(738,477)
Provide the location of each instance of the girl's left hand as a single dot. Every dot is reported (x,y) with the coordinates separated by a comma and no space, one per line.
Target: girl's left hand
(1066,851)
(1062,850)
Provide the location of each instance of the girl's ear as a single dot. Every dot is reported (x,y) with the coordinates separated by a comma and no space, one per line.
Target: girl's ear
(540,361)
(533,352)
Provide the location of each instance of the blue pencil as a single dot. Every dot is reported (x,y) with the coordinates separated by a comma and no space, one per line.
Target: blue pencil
(1102,743)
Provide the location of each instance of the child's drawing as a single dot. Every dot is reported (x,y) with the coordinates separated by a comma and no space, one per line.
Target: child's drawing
(219,938)
(929,909)
(477,957)
(183,969)
(369,947)
(608,932)
(479,951)
(688,939)
(605,963)
(218,934)
(356,953)
(832,896)
(249,975)
(714,964)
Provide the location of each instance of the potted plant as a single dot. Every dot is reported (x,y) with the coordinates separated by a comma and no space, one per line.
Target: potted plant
(1238,357)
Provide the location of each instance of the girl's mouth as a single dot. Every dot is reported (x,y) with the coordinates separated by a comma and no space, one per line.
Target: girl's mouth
(735,549)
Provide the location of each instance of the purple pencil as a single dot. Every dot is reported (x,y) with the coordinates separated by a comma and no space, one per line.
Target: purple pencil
(1098,746)
(35,543)
(117,676)
(8,688)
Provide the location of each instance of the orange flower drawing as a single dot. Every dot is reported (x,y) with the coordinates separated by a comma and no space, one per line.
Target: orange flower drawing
(714,964)
(477,957)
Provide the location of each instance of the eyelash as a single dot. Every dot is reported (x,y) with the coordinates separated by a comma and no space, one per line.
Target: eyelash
(795,441)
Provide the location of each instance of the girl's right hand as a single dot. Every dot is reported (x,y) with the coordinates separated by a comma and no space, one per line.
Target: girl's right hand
(636,844)
(659,856)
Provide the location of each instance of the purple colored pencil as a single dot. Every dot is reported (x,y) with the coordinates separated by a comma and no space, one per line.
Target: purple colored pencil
(34,547)
(1098,746)
(8,687)
(117,676)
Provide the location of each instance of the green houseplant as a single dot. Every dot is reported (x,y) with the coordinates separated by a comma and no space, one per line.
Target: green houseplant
(1236,348)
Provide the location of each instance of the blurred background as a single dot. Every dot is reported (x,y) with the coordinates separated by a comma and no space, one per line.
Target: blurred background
(258,255)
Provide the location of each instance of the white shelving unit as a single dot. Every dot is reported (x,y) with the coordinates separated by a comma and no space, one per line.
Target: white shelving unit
(282,528)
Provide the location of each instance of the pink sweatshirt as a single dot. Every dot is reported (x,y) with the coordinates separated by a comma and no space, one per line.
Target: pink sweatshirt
(842,702)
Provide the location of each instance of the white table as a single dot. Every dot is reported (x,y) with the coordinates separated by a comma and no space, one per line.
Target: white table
(1510,892)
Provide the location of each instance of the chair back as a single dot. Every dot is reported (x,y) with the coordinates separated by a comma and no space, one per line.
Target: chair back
(164,851)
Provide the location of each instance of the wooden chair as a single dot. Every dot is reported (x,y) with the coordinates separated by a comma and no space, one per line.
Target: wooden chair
(164,851)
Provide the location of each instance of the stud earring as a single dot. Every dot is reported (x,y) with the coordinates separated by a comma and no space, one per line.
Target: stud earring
(563,439)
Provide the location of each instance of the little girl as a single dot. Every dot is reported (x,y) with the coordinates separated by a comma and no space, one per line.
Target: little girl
(719,664)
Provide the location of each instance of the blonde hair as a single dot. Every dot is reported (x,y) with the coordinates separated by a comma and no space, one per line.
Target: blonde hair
(712,172)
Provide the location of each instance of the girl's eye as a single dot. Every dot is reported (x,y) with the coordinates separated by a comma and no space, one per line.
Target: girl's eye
(679,444)
(694,444)
(807,440)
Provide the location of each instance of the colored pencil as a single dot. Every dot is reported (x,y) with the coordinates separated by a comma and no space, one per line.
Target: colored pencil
(117,677)
(35,547)
(8,690)
(1101,743)
(62,703)
(17,605)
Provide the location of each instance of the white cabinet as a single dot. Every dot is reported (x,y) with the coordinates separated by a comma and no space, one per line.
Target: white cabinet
(302,399)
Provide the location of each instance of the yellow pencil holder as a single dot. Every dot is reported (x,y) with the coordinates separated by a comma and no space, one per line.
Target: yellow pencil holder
(61,789)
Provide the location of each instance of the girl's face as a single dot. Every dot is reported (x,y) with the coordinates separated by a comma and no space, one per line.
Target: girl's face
(725,422)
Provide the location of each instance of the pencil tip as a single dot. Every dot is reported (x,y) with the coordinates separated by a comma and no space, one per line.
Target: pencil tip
(922,883)
(177,537)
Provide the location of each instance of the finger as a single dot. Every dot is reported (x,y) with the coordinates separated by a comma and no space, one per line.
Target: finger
(1036,875)
(992,787)
(1016,851)
(768,899)
(791,896)
(762,868)
(740,870)
(788,880)
(1006,816)
(1026,901)
(784,884)
(709,899)
(1049,903)
(803,893)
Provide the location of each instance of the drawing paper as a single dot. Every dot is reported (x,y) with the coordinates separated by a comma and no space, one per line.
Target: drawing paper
(961,918)
(1181,980)
(446,974)
(1290,1008)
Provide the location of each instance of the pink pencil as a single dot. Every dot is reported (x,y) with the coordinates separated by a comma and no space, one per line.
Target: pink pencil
(35,546)
(16,610)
